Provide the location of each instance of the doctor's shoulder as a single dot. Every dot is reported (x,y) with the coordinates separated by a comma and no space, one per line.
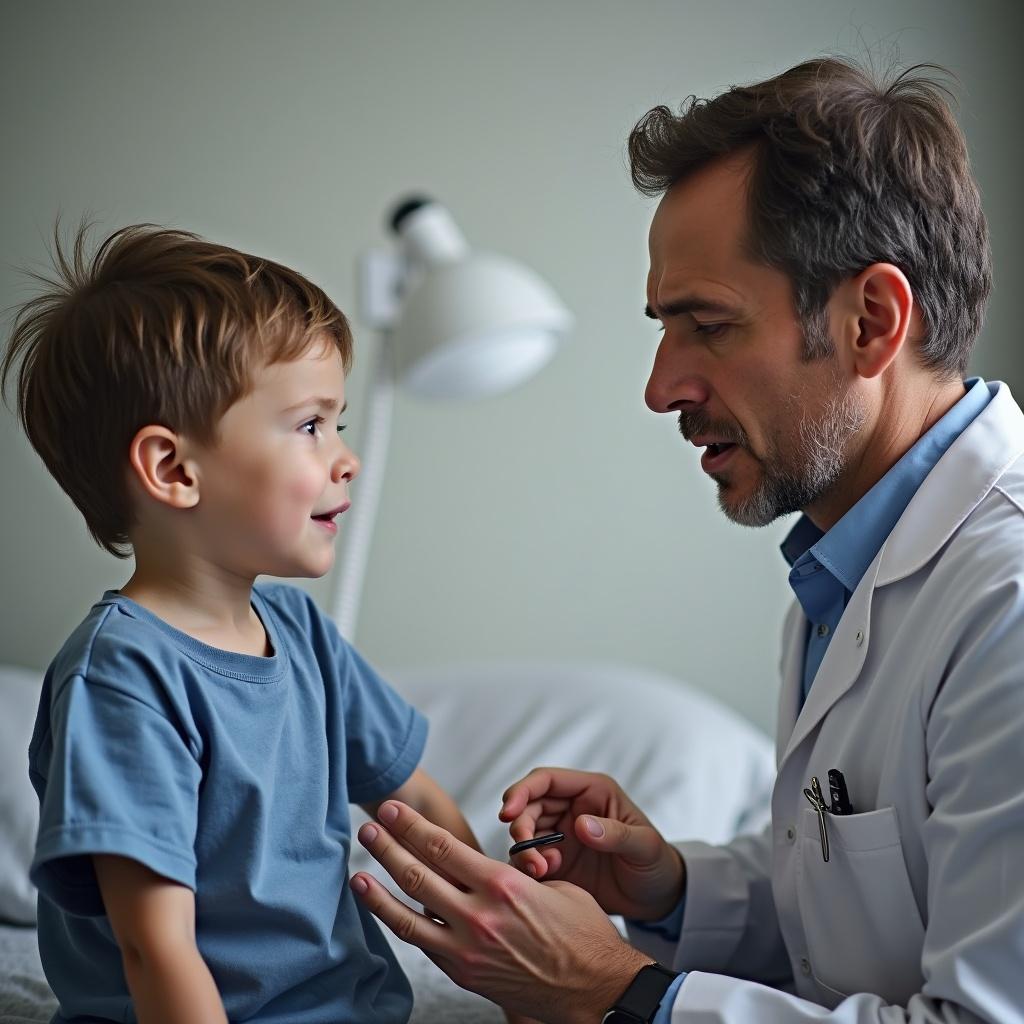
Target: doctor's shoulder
(974,594)
(987,549)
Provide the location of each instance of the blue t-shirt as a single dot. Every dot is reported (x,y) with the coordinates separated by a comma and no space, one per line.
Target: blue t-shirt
(231,774)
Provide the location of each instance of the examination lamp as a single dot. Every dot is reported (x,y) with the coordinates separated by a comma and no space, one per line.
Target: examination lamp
(454,323)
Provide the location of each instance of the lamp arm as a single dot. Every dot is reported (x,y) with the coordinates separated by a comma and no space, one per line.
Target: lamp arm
(358,536)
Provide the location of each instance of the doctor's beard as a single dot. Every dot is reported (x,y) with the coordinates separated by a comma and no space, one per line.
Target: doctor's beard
(795,473)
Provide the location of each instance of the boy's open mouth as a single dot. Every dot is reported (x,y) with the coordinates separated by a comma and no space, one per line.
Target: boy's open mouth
(329,516)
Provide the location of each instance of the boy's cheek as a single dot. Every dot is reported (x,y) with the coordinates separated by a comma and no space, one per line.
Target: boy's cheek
(307,491)
(301,498)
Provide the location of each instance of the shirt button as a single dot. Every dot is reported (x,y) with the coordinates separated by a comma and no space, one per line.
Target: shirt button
(823,629)
(860,637)
(805,965)
(791,834)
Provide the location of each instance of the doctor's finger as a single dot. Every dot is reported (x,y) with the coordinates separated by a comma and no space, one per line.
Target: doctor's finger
(537,817)
(421,840)
(434,939)
(552,859)
(415,878)
(548,782)
(539,863)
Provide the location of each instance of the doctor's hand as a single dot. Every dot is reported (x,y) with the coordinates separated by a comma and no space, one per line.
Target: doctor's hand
(610,849)
(541,949)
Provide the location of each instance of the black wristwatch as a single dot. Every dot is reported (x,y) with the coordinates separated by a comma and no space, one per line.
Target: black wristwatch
(640,1002)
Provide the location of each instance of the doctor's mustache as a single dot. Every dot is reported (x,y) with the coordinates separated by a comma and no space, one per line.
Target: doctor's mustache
(699,424)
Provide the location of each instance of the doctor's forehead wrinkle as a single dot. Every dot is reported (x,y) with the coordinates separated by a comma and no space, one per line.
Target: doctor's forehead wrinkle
(688,304)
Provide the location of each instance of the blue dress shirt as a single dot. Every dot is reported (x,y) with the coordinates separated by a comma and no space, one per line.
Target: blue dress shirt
(825,569)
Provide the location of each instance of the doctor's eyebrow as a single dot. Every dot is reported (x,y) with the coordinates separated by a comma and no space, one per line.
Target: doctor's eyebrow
(689,304)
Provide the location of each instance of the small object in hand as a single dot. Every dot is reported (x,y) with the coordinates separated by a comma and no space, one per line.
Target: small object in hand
(529,844)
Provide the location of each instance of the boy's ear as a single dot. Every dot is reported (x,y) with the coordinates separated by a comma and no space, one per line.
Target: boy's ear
(158,459)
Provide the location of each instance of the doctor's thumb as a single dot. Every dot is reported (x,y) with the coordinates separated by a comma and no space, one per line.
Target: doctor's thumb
(638,843)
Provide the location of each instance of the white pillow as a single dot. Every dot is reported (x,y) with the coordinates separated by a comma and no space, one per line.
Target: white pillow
(19,808)
(695,767)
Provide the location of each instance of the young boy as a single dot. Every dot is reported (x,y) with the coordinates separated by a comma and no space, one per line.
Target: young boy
(199,737)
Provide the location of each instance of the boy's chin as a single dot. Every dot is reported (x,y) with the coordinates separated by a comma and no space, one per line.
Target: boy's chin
(308,568)
(314,571)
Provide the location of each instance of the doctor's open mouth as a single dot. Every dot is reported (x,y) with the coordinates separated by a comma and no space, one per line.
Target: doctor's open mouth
(716,456)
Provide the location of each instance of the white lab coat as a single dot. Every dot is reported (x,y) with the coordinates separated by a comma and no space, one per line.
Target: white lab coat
(919,914)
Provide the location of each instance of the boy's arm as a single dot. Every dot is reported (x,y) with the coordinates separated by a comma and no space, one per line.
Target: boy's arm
(423,794)
(153,920)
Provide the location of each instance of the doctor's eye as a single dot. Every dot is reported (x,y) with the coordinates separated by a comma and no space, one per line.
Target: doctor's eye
(710,330)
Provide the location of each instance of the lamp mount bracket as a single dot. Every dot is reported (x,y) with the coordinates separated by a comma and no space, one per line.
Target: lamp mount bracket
(380,280)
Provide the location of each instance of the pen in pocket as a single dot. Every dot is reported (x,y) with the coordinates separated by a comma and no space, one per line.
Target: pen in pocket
(840,794)
(840,803)
(818,803)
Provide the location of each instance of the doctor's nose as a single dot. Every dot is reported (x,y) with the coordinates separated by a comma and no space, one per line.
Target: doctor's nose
(673,385)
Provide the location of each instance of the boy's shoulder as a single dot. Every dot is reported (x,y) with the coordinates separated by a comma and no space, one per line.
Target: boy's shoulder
(122,645)
(108,628)
(113,645)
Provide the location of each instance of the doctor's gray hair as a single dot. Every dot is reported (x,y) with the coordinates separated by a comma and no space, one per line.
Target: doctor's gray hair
(847,171)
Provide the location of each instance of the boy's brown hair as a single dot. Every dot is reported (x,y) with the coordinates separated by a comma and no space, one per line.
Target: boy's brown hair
(159,326)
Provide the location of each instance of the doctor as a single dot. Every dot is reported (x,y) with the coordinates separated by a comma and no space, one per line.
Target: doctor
(819,265)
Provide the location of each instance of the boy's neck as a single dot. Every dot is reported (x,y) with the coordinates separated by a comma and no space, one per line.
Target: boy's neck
(203,600)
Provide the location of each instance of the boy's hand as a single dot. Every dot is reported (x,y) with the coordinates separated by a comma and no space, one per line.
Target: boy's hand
(626,866)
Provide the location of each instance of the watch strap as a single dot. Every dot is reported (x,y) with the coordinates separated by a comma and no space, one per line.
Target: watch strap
(643,996)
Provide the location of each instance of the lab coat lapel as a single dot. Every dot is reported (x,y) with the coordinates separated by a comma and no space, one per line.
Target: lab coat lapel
(792,673)
(842,663)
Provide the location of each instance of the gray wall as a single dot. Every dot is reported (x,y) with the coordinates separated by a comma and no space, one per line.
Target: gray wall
(563,520)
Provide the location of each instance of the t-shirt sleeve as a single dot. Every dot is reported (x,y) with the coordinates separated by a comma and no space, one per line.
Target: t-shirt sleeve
(384,734)
(120,778)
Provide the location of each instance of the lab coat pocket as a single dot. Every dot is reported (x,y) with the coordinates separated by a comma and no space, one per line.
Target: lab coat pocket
(863,929)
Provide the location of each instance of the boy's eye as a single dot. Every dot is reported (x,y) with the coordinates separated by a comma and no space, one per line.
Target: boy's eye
(341,427)
(312,427)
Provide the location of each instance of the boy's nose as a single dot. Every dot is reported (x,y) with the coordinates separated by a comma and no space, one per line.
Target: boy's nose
(346,466)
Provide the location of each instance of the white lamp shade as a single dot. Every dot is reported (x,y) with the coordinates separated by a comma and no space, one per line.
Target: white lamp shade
(476,327)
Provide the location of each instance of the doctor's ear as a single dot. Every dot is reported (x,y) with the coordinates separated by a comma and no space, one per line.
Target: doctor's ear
(877,313)
(158,459)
